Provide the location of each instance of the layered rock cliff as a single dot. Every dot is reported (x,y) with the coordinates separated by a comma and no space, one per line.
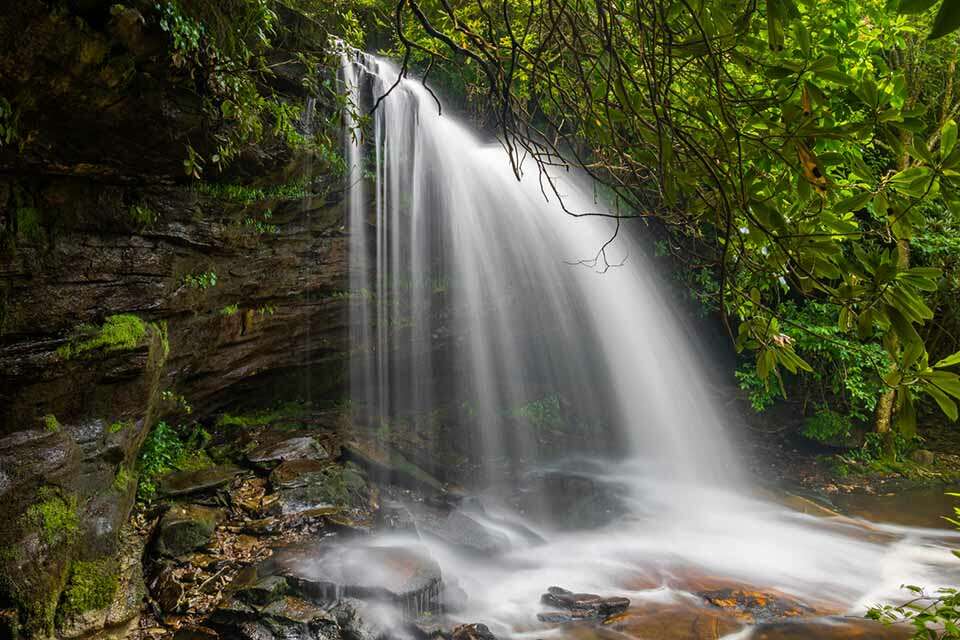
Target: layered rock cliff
(130,291)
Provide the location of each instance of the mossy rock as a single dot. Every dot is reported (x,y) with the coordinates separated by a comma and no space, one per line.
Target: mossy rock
(304,486)
(185,528)
(91,586)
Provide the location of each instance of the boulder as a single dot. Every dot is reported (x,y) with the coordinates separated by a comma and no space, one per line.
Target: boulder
(571,500)
(295,448)
(405,577)
(306,486)
(361,620)
(182,483)
(185,528)
(460,529)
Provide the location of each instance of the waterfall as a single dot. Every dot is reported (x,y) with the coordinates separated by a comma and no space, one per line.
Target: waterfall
(467,283)
(449,248)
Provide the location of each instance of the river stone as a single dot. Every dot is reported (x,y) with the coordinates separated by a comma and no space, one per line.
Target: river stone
(472,632)
(580,605)
(406,577)
(184,528)
(759,606)
(181,483)
(295,448)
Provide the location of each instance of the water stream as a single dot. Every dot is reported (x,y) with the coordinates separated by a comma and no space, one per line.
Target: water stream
(449,248)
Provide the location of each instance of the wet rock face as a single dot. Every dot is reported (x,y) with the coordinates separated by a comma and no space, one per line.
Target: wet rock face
(571,500)
(304,486)
(97,220)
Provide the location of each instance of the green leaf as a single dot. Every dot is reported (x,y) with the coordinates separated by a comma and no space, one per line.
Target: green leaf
(837,76)
(823,64)
(911,181)
(947,405)
(803,37)
(853,203)
(946,381)
(906,419)
(948,138)
(949,361)
(902,327)
(947,20)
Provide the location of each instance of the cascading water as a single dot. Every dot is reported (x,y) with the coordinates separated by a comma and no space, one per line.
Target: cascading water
(461,286)
(449,214)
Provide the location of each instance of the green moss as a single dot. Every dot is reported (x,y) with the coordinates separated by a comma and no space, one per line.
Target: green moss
(54,514)
(41,615)
(91,586)
(161,330)
(119,426)
(287,411)
(123,479)
(28,222)
(143,215)
(248,194)
(118,333)
(50,423)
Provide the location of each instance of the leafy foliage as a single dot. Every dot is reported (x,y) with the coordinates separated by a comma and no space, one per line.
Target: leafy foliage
(166,449)
(203,280)
(230,50)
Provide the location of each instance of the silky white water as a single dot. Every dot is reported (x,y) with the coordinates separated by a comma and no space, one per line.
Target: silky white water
(448,247)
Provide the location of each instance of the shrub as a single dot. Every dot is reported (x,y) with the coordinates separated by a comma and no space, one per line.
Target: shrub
(166,450)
